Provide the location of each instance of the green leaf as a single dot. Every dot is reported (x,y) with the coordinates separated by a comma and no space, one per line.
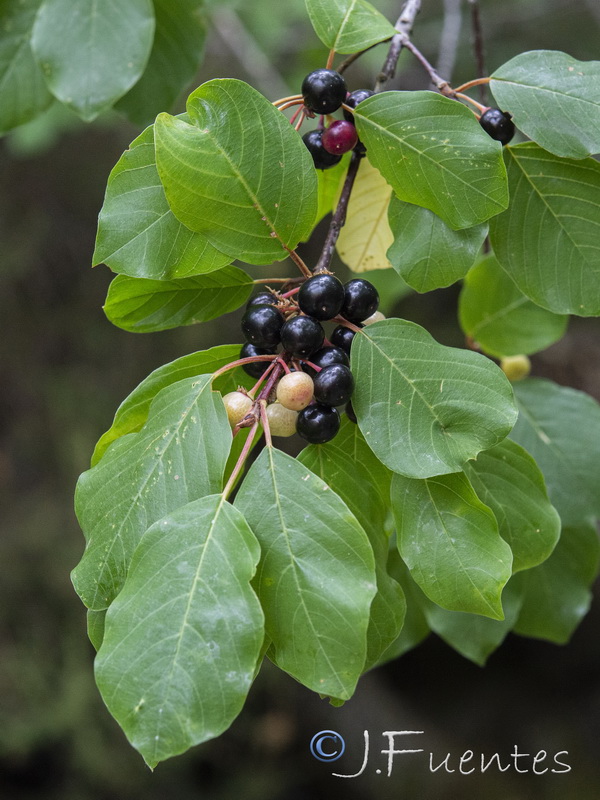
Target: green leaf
(92,55)
(554,100)
(507,479)
(140,305)
(425,409)
(178,456)
(184,635)
(24,90)
(329,187)
(415,628)
(348,466)
(366,235)
(95,627)
(560,428)
(133,411)
(449,541)
(434,154)
(426,253)
(138,234)
(549,239)
(473,636)
(503,322)
(316,579)
(348,26)
(240,174)
(173,63)
(557,593)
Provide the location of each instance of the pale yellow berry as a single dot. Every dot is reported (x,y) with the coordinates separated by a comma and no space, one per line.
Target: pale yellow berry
(282,421)
(295,390)
(515,367)
(237,405)
(376,316)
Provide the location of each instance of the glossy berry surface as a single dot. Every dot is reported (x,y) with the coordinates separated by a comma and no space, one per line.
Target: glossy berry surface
(327,356)
(321,158)
(354,99)
(342,338)
(321,296)
(360,300)
(334,385)
(295,390)
(250,351)
(324,91)
(498,124)
(340,137)
(301,336)
(261,325)
(318,424)
(262,299)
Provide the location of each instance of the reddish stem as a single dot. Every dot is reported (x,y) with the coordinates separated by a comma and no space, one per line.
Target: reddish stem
(241,460)
(240,363)
(291,292)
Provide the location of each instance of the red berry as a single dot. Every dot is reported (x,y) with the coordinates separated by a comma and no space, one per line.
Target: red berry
(340,137)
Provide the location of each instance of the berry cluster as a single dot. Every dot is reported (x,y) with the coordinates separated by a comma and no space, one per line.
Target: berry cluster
(317,379)
(323,92)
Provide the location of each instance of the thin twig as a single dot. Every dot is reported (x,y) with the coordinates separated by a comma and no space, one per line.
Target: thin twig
(478,48)
(240,363)
(465,97)
(298,262)
(404,26)
(440,83)
(241,460)
(339,217)
(470,84)
(265,423)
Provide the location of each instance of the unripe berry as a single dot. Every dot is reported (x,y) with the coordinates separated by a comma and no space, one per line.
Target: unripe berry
(295,390)
(321,158)
(377,316)
(515,367)
(237,406)
(340,137)
(282,421)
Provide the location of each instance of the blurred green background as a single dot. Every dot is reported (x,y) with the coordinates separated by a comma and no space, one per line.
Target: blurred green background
(64,369)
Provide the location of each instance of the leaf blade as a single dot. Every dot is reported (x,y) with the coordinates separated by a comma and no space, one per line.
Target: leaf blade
(424,408)
(211,623)
(92,62)
(140,306)
(178,456)
(348,26)
(316,579)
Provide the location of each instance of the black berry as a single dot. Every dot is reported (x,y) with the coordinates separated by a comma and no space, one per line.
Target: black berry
(360,300)
(340,137)
(498,124)
(321,158)
(350,413)
(262,299)
(342,338)
(324,91)
(354,99)
(334,385)
(318,424)
(301,336)
(321,296)
(261,325)
(327,356)
(256,369)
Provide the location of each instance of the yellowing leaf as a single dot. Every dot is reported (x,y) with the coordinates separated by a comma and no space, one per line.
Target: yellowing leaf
(366,236)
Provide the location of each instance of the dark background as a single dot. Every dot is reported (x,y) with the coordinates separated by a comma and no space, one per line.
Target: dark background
(64,369)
